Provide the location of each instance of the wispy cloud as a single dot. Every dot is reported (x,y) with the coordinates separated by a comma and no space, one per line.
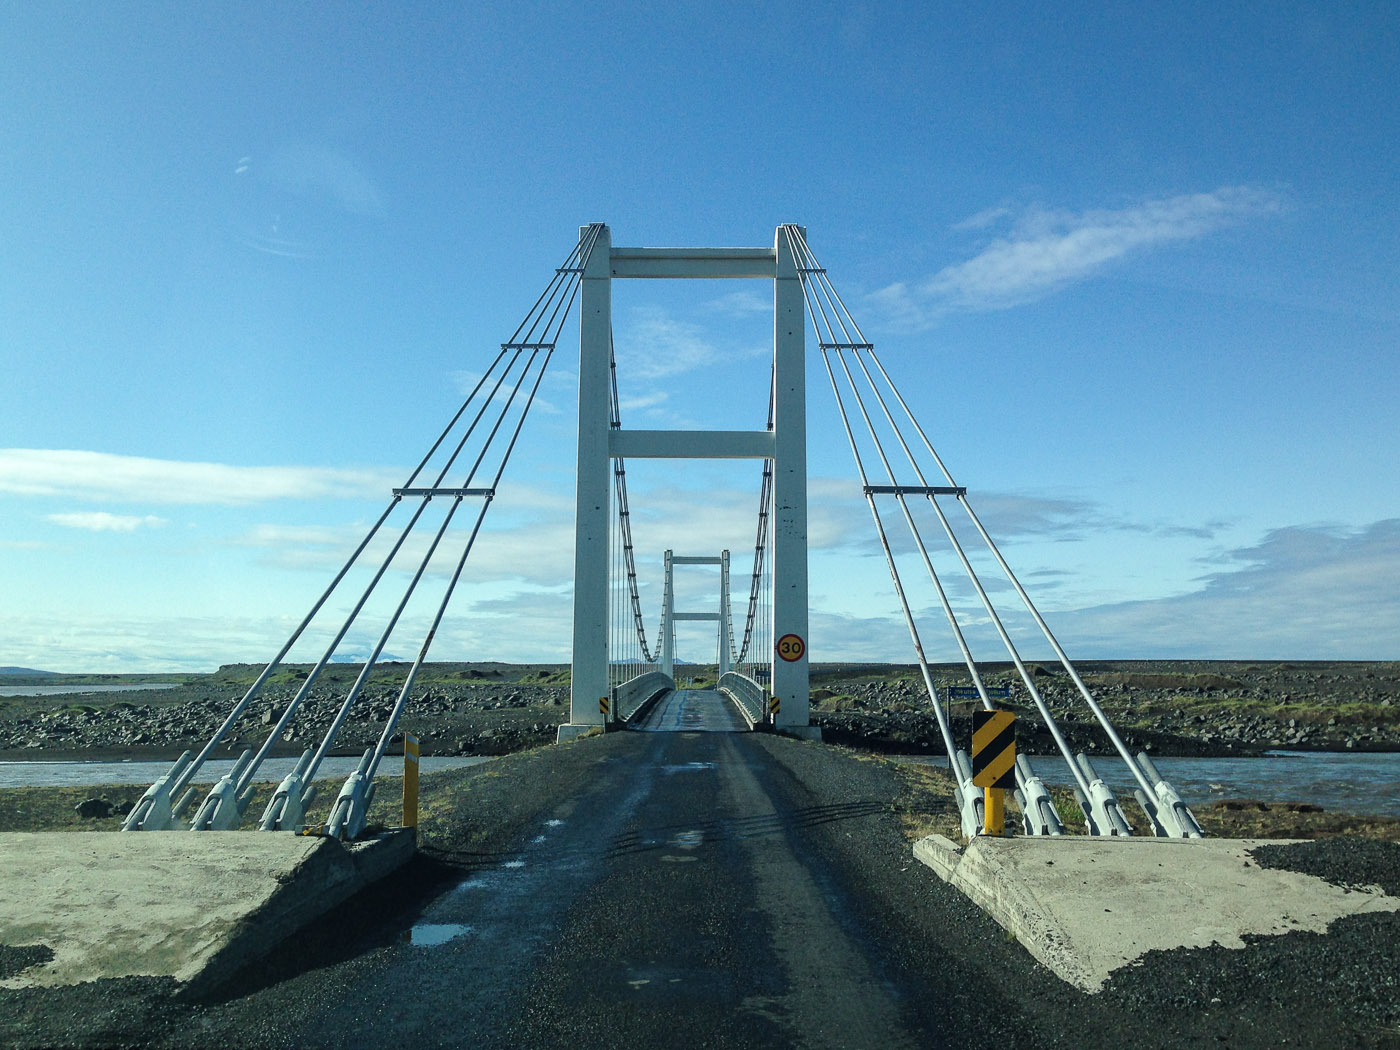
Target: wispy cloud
(101,521)
(470,382)
(320,173)
(655,345)
(652,400)
(1048,249)
(1302,592)
(530,539)
(107,478)
(742,303)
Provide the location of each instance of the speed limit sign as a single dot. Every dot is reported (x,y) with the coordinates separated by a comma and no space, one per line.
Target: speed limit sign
(791,647)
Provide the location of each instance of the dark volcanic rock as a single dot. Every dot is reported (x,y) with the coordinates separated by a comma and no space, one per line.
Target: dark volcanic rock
(1346,861)
(15,959)
(94,808)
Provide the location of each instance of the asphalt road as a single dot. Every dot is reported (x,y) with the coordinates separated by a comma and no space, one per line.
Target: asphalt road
(673,897)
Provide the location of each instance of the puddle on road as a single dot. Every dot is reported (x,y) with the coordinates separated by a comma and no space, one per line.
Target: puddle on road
(433,934)
(483,879)
(690,767)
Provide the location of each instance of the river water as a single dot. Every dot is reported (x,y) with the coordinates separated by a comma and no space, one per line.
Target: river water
(1346,783)
(1338,782)
(35,774)
(81,690)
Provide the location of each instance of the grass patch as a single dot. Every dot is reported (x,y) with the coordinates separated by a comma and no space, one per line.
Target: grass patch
(54,808)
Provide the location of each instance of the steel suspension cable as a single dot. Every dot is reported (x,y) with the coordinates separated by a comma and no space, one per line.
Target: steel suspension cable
(558,295)
(402,701)
(1050,722)
(829,314)
(313,675)
(189,772)
(329,739)
(545,316)
(765,504)
(943,728)
(826,298)
(1102,718)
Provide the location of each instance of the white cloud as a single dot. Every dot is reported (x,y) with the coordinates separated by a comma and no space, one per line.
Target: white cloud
(654,345)
(466,382)
(652,400)
(742,303)
(1048,249)
(538,550)
(984,218)
(1303,592)
(101,521)
(107,478)
(319,173)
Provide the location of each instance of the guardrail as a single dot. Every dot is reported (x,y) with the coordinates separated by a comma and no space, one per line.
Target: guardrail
(632,696)
(745,692)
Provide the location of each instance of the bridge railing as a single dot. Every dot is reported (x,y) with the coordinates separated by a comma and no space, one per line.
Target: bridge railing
(631,696)
(745,692)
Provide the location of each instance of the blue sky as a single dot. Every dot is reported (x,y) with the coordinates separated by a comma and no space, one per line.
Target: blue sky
(1134,266)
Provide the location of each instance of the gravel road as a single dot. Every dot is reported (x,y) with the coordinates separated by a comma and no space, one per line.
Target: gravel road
(800,863)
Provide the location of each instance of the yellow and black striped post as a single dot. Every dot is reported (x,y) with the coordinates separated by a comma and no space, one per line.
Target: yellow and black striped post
(603,706)
(410,780)
(774,706)
(994,763)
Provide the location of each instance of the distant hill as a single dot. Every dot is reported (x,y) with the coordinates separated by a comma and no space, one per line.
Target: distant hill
(23,670)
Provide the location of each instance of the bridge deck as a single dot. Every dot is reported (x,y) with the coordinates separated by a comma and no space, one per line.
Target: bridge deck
(693,711)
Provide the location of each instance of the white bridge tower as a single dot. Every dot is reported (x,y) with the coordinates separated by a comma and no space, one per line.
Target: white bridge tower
(785,445)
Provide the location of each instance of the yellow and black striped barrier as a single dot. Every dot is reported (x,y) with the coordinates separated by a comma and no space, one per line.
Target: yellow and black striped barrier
(994,763)
(774,706)
(603,707)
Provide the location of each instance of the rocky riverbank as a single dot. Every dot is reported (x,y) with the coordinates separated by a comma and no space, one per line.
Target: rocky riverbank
(1163,707)
(1185,708)
(484,712)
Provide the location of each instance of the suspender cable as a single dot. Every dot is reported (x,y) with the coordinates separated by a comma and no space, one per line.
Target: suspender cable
(765,503)
(625,520)
(1083,689)
(535,335)
(840,333)
(1051,724)
(402,701)
(373,658)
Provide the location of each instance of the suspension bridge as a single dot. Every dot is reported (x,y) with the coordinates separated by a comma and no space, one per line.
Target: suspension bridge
(622,675)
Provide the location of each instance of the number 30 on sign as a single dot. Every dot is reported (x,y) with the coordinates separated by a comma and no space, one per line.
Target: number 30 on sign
(791,647)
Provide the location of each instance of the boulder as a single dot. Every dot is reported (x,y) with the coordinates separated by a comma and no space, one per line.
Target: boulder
(93,808)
